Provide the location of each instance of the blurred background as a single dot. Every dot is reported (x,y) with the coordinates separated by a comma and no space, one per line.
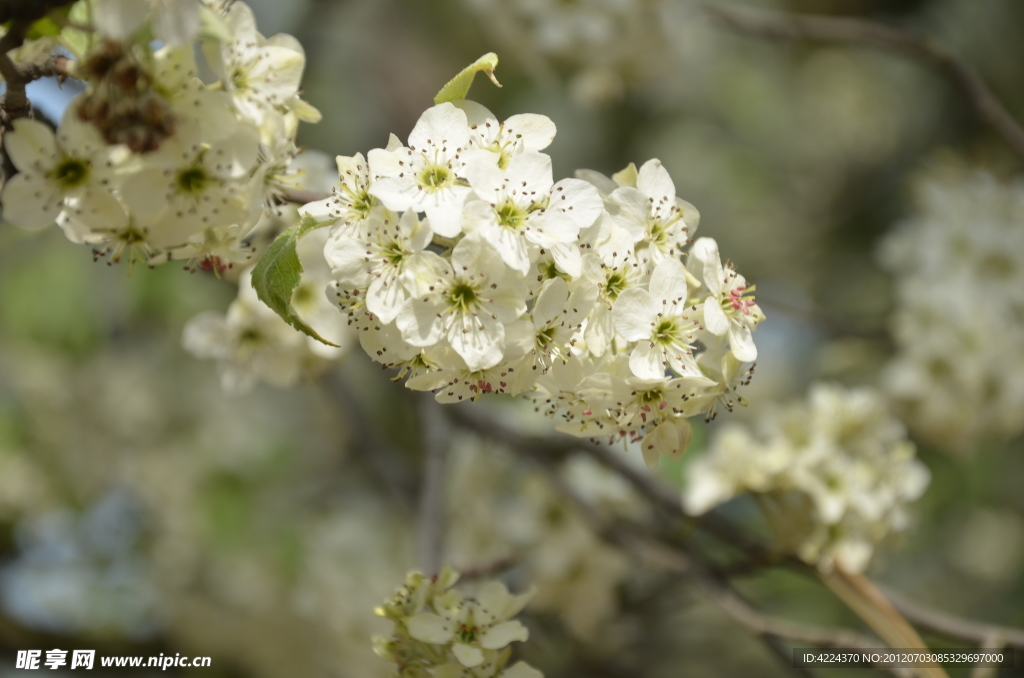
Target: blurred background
(144,511)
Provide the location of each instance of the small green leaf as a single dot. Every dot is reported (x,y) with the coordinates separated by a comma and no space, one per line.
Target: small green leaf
(278,272)
(458,87)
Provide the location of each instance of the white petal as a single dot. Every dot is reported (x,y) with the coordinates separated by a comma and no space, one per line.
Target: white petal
(550,302)
(397,193)
(530,173)
(668,283)
(442,125)
(31,145)
(145,193)
(30,201)
(578,199)
(476,114)
(445,214)
(347,258)
(511,246)
(664,439)
(429,628)
(656,183)
(501,635)
(685,430)
(479,340)
(486,178)
(494,597)
(97,209)
(568,258)
(685,365)
(647,361)
(78,138)
(321,210)
(742,343)
(634,313)
(705,251)
(604,185)
(419,322)
(234,156)
(535,132)
(279,72)
(553,228)
(467,655)
(385,297)
(418,232)
(600,330)
(715,320)
(691,216)
(630,210)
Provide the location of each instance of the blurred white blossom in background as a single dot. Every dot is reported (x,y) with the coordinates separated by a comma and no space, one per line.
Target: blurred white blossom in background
(958,265)
(833,475)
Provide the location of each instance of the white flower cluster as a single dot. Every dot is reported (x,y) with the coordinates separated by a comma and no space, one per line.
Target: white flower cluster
(150,162)
(252,343)
(604,44)
(570,291)
(441,633)
(833,476)
(959,319)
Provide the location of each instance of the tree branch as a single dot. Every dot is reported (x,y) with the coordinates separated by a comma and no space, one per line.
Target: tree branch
(769,628)
(53,66)
(549,450)
(796,27)
(554,448)
(14,102)
(951,626)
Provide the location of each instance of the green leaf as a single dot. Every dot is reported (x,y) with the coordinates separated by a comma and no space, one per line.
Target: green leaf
(278,272)
(458,87)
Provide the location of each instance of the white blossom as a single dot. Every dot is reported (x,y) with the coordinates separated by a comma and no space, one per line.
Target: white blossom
(72,166)
(834,475)
(427,175)
(661,323)
(958,322)
(730,308)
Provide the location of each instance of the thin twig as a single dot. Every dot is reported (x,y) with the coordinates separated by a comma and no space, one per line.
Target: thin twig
(472,417)
(435,442)
(53,66)
(632,540)
(551,449)
(951,626)
(796,27)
